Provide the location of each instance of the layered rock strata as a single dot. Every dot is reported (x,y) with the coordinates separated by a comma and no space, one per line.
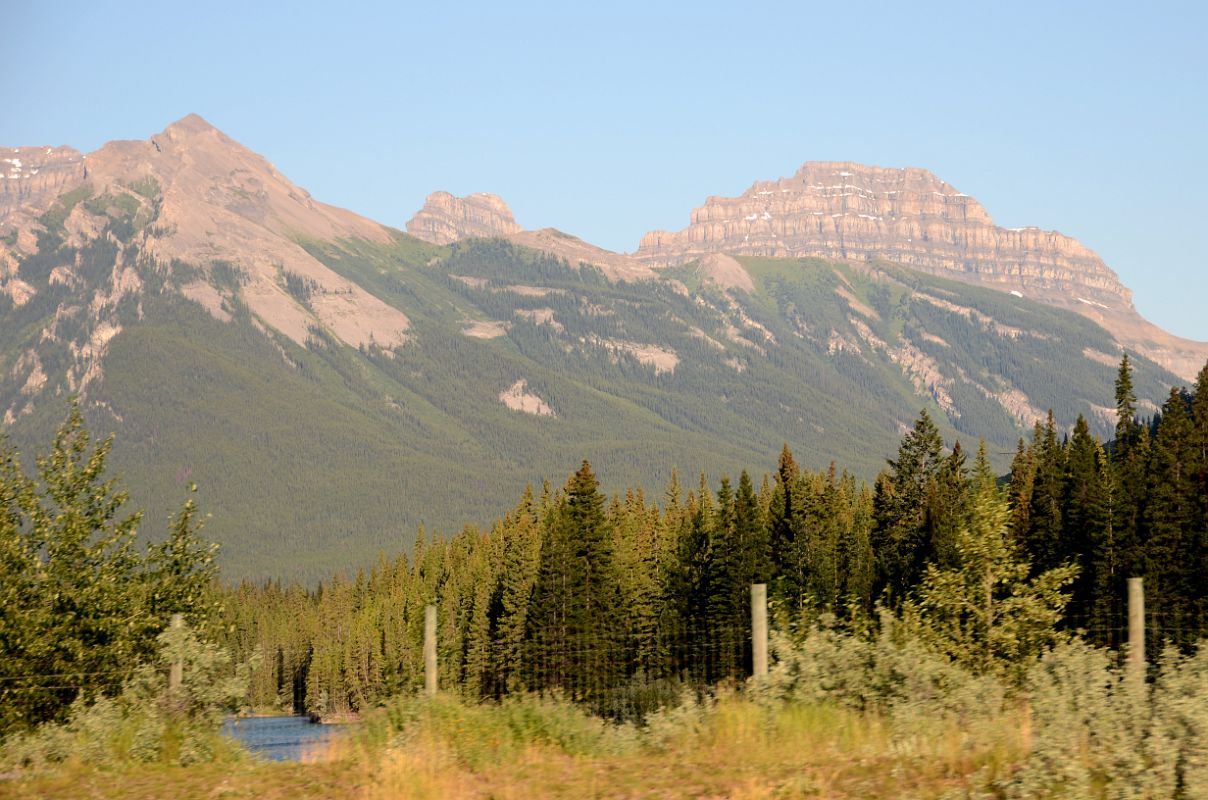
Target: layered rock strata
(36,175)
(853,212)
(445,219)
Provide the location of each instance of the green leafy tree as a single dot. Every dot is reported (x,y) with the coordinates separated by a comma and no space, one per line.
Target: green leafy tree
(82,605)
(988,613)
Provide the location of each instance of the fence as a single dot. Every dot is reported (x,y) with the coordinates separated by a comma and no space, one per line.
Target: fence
(619,672)
(627,672)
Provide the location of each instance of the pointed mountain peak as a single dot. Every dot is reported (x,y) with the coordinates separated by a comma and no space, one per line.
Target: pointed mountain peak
(189,125)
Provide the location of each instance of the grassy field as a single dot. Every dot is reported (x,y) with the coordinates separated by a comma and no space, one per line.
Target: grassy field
(536,749)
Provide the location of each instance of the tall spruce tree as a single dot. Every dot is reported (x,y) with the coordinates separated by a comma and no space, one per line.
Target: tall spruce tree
(1130,457)
(1043,536)
(785,513)
(1172,548)
(902,543)
(574,644)
(947,506)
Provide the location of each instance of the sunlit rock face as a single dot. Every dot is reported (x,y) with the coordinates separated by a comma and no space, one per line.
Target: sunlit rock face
(906,216)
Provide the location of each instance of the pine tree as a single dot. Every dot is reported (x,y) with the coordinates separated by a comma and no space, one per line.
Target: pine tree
(576,598)
(1171,550)
(1019,493)
(1199,484)
(947,506)
(1130,456)
(521,558)
(785,514)
(902,543)
(1079,512)
(1043,537)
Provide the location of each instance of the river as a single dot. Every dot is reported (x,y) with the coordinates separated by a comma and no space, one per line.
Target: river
(279,738)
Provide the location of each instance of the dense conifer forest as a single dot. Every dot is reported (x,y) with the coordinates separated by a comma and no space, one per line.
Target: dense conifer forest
(624,601)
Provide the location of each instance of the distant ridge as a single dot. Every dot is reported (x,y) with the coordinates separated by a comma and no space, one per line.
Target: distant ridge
(851,212)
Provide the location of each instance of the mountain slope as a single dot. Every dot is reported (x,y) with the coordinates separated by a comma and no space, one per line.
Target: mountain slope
(860,214)
(853,212)
(317,447)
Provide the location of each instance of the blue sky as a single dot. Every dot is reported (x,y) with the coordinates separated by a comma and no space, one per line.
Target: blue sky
(613,119)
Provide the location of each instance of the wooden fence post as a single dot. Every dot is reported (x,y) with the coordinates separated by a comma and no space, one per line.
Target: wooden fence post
(759,630)
(176,672)
(430,650)
(1136,626)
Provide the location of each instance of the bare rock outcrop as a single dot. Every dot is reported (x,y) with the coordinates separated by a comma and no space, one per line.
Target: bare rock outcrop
(219,201)
(853,212)
(445,218)
(35,176)
(857,213)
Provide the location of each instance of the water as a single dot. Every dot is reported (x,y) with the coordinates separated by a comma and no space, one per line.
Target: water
(278,738)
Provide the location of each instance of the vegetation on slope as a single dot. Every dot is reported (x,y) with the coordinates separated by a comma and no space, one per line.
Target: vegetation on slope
(335,454)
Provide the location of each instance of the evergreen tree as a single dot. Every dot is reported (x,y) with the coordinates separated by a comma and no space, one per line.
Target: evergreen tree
(1130,457)
(988,613)
(1043,536)
(947,506)
(1080,515)
(1172,548)
(1019,492)
(785,513)
(902,543)
(518,573)
(1199,484)
(576,599)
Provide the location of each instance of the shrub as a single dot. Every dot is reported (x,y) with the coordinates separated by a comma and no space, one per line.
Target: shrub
(148,721)
(1101,732)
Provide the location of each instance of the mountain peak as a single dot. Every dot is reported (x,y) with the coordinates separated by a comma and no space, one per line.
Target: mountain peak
(855,212)
(189,125)
(213,199)
(446,218)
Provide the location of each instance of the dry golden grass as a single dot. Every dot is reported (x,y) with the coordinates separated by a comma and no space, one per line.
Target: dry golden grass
(735,749)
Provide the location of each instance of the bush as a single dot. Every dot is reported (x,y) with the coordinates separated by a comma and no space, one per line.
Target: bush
(148,721)
(482,734)
(1100,732)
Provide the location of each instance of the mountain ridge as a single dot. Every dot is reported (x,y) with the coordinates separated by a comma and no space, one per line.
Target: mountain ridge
(144,285)
(907,216)
(220,202)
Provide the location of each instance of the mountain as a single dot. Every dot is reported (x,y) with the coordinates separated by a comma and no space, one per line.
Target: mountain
(445,219)
(331,383)
(213,201)
(853,212)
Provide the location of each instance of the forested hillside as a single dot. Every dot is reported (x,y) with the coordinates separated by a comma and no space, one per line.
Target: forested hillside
(619,601)
(515,366)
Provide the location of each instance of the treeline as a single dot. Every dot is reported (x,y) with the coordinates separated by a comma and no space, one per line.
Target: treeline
(622,600)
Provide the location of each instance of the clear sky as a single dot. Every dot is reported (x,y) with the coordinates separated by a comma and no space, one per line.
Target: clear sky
(609,119)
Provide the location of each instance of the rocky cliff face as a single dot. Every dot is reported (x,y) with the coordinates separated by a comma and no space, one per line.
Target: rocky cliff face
(36,175)
(906,216)
(445,219)
(211,200)
(853,212)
